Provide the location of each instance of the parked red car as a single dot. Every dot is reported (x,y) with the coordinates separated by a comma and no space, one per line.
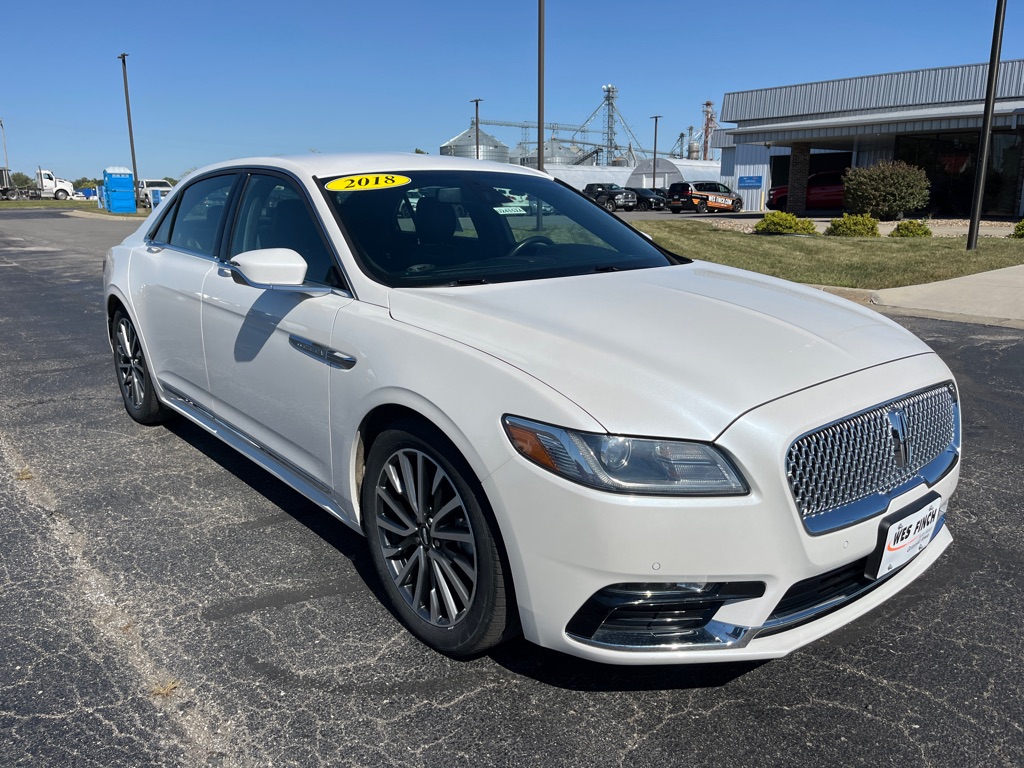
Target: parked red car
(824,190)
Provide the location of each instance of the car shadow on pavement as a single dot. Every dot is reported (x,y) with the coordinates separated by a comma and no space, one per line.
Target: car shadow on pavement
(518,656)
(571,673)
(348,542)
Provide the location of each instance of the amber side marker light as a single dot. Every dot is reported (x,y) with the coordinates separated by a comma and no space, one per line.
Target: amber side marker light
(526,443)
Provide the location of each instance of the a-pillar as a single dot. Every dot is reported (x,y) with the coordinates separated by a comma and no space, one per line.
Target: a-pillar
(799,164)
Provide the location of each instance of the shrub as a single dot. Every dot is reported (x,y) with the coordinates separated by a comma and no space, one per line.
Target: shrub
(856,225)
(911,228)
(886,190)
(1018,231)
(782,223)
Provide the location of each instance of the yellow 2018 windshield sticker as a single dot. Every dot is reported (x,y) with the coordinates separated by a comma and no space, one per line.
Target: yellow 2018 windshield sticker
(367,181)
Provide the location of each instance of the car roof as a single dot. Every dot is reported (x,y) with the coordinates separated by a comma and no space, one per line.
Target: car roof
(328,165)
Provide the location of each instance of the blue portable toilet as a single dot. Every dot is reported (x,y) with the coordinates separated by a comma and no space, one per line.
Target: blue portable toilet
(119,189)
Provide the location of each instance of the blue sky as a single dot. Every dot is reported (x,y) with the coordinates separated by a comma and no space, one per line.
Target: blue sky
(221,79)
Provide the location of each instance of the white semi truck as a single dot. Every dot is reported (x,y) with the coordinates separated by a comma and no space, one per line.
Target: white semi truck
(47,187)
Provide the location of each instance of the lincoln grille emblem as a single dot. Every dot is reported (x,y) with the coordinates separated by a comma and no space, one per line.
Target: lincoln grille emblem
(902,449)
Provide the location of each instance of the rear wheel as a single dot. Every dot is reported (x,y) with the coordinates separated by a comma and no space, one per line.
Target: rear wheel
(609,205)
(702,206)
(133,378)
(642,206)
(434,544)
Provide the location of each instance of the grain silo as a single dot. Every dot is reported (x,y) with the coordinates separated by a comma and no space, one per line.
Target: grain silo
(464,145)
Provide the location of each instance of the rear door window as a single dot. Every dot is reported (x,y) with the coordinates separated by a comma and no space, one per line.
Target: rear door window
(199,217)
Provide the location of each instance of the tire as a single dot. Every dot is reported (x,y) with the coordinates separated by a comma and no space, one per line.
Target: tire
(675,210)
(737,205)
(780,205)
(12,194)
(702,206)
(133,378)
(462,604)
(642,206)
(609,205)
(60,194)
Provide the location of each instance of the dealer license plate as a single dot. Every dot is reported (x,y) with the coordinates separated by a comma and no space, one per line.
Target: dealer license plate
(904,534)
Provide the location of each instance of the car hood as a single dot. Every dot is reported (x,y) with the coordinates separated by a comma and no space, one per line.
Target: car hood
(677,351)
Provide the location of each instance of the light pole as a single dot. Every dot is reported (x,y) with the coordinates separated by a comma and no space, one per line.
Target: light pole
(131,137)
(476,122)
(654,173)
(986,126)
(4,133)
(540,86)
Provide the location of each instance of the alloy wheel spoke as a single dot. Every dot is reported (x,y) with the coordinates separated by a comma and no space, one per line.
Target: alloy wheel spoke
(398,511)
(441,586)
(410,490)
(450,577)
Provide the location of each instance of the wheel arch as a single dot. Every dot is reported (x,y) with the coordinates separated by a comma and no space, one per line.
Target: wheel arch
(406,408)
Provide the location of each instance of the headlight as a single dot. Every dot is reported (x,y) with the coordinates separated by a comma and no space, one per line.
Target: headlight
(626,464)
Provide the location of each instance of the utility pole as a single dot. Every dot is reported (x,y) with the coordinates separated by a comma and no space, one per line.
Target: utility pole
(654,173)
(540,87)
(131,137)
(986,126)
(476,122)
(3,131)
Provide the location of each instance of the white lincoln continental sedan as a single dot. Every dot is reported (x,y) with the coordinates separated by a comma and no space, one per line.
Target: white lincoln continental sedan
(542,422)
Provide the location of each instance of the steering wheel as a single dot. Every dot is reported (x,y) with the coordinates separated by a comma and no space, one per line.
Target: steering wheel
(535,240)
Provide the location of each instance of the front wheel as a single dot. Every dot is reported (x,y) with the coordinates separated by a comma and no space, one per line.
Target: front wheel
(434,544)
(737,205)
(60,194)
(133,378)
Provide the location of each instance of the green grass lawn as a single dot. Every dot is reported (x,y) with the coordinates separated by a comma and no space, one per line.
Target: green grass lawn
(73,205)
(869,262)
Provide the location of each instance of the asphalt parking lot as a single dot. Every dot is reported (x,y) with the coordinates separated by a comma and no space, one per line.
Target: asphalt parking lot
(166,603)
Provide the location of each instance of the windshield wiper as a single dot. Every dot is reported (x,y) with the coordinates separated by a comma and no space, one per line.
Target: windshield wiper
(607,268)
(466,281)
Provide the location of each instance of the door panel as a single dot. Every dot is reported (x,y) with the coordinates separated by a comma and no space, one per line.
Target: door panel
(268,352)
(266,377)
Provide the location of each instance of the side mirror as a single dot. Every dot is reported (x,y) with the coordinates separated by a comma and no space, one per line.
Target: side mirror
(274,269)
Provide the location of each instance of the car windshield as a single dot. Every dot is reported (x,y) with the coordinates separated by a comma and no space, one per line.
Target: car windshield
(430,228)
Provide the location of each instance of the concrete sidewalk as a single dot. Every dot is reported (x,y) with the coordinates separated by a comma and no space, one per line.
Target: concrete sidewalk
(989,298)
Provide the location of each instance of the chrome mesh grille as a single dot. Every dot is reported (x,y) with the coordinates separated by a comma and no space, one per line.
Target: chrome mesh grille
(852,459)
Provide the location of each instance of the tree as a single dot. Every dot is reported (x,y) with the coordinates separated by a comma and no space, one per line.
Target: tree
(85,183)
(19,179)
(886,190)
(421,151)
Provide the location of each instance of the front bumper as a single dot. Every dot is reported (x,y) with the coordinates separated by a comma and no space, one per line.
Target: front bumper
(568,545)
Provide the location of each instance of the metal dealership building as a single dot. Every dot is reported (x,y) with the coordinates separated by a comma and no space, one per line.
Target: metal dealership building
(931,118)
